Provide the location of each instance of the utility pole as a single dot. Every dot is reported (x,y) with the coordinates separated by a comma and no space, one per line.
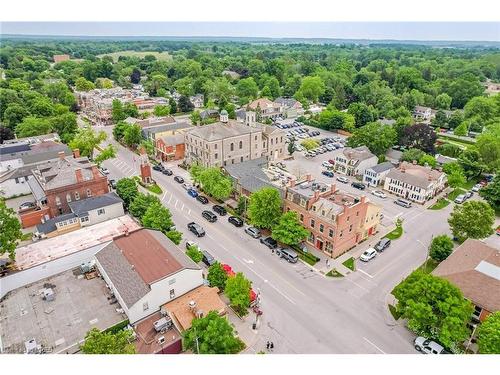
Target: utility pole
(197,343)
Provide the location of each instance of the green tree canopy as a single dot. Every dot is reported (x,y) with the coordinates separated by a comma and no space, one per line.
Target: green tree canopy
(434,308)
(264,208)
(126,188)
(441,247)
(289,230)
(488,334)
(194,253)
(141,203)
(108,152)
(97,342)
(311,88)
(10,230)
(377,137)
(217,276)
(211,334)
(132,135)
(86,140)
(238,291)
(491,192)
(81,84)
(472,219)
(157,217)
(215,183)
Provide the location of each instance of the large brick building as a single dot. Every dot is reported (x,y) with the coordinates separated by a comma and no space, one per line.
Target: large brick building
(336,221)
(57,183)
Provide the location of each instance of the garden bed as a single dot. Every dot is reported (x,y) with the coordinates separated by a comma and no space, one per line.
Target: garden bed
(349,263)
(440,204)
(334,273)
(395,234)
(307,257)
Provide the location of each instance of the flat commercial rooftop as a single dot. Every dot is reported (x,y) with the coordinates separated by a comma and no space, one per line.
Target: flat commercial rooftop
(69,243)
(59,325)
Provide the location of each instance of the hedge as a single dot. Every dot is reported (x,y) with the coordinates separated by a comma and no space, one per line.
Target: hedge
(306,256)
(117,327)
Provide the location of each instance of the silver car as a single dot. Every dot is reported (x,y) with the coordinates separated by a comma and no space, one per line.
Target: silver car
(252,231)
(427,346)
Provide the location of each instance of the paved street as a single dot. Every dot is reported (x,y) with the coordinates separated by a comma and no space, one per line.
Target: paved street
(304,311)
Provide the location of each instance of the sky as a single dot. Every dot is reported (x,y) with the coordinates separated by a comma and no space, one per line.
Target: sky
(421,31)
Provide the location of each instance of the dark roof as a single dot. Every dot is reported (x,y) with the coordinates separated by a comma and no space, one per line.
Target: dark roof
(16,173)
(50,225)
(249,174)
(382,167)
(82,207)
(14,148)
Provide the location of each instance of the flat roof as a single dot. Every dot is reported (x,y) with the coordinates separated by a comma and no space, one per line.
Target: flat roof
(59,325)
(148,339)
(49,249)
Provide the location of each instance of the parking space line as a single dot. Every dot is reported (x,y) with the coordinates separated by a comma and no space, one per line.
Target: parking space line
(375,346)
(367,274)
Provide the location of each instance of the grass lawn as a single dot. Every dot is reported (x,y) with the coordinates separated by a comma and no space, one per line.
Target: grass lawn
(334,273)
(154,189)
(455,193)
(441,203)
(470,183)
(429,266)
(141,54)
(26,236)
(394,313)
(395,234)
(308,260)
(349,263)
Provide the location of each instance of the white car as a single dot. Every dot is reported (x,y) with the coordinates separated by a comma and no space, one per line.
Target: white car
(460,199)
(476,188)
(368,255)
(105,170)
(379,193)
(326,164)
(187,186)
(343,179)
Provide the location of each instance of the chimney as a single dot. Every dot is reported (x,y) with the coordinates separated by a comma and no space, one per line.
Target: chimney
(292,182)
(78,174)
(61,155)
(95,173)
(363,198)
(333,188)
(76,153)
(316,195)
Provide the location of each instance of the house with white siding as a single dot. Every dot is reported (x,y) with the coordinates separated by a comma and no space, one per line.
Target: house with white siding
(375,176)
(354,161)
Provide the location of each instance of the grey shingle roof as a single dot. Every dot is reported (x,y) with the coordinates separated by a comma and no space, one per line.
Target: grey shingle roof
(61,173)
(359,153)
(382,167)
(50,225)
(16,173)
(14,148)
(287,102)
(82,207)
(414,175)
(219,130)
(127,282)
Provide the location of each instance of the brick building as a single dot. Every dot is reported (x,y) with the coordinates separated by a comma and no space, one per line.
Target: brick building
(336,221)
(170,147)
(57,183)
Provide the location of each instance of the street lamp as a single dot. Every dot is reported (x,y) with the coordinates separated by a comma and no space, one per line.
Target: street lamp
(428,249)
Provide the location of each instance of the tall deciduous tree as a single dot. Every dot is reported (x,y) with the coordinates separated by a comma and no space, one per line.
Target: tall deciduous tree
(420,136)
(311,88)
(238,291)
(377,137)
(97,342)
(32,126)
(211,334)
(489,334)
(215,183)
(81,84)
(473,219)
(441,247)
(132,135)
(86,140)
(434,308)
(289,230)
(217,276)
(108,152)
(491,192)
(10,230)
(264,208)
(157,217)
(141,203)
(126,188)
(471,162)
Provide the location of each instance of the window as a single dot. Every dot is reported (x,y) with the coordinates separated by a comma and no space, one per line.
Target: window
(84,219)
(68,197)
(348,217)
(312,223)
(241,145)
(330,232)
(172,293)
(350,228)
(77,195)
(215,146)
(241,159)
(301,217)
(321,228)
(58,201)
(145,306)
(232,147)
(357,213)
(216,155)
(255,137)
(101,211)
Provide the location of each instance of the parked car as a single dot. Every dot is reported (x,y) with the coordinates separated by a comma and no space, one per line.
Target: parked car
(368,255)
(192,193)
(460,199)
(331,161)
(188,186)
(26,205)
(402,203)
(427,346)
(196,229)
(112,183)
(327,173)
(208,258)
(252,231)
(209,215)
(219,209)
(379,193)
(358,185)
(202,199)
(383,244)
(476,188)
(469,194)
(326,164)
(288,254)
(343,179)
(191,243)
(104,170)
(236,221)
(167,172)
(269,242)
(157,167)
(179,179)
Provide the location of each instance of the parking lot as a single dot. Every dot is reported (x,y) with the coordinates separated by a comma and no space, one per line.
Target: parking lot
(60,324)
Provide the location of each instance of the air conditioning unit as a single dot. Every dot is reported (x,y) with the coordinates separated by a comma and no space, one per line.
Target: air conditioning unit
(161,340)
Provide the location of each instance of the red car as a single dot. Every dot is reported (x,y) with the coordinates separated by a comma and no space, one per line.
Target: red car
(230,273)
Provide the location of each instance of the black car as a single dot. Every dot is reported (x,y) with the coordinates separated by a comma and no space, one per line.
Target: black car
(196,229)
(327,173)
(219,209)
(208,259)
(269,242)
(157,167)
(202,199)
(383,244)
(112,183)
(179,179)
(358,185)
(236,221)
(167,171)
(209,215)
